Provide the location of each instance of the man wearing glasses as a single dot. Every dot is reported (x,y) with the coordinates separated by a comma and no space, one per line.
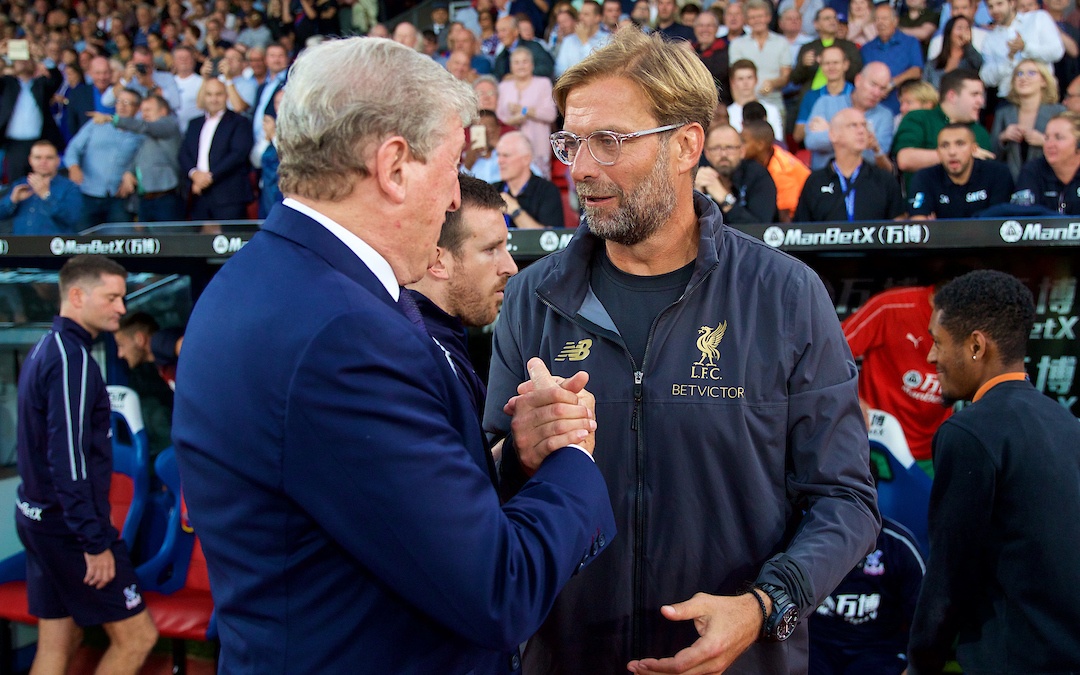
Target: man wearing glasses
(733,444)
(742,189)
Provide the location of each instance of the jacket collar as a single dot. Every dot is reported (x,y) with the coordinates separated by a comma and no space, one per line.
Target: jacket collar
(72,330)
(307,233)
(566,285)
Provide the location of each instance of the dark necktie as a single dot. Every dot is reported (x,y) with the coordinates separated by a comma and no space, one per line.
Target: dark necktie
(409,309)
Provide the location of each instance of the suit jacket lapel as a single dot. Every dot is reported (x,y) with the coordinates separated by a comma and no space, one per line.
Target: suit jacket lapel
(299,228)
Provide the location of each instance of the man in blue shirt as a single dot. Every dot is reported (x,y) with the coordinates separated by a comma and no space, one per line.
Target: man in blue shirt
(43,202)
(97,158)
(901,53)
(870,87)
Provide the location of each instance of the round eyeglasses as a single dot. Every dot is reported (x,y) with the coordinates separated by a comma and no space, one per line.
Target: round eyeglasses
(604,146)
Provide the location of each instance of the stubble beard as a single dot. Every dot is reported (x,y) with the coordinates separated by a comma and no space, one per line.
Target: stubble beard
(640,214)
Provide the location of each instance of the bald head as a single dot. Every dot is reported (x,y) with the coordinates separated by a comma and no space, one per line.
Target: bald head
(871,85)
(848,133)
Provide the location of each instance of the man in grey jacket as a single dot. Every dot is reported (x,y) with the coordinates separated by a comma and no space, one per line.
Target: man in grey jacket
(733,443)
(155,171)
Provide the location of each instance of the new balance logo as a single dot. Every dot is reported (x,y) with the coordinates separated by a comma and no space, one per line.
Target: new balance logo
(575,351)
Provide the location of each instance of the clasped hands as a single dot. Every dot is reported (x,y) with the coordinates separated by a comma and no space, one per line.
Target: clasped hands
(550,413)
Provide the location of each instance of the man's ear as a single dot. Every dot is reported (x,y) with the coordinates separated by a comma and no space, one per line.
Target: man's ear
(440,269)
(691,141)
(391,168)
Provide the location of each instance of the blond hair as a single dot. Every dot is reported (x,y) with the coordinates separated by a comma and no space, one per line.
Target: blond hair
(1049,92)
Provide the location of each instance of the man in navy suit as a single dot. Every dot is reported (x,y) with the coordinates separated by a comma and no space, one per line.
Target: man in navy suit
(333,464)
(214,158)
(25,117)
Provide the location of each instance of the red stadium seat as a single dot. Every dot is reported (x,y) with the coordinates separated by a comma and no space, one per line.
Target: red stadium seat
(175,583)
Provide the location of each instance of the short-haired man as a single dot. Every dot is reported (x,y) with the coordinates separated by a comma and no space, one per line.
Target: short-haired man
(141,77)
(963,95)
(667,21)
(1014,37)
(834,63)
(214,158)
(25,116)
(788,172)
(676,317)
(850,188)
(43,202)
(610,15)
(871,85)
(77,568)
(742,188)
(744,81)
(532,201)
(141,340)
(480,159)
(355,427)
(900,52)
(769,51)
(86,100)
(188,81)
(1004,535)
(464,287)
(97,158)
(808,72)
(155,171)
(584,40)
(713,52)
(506,28)
(960,186)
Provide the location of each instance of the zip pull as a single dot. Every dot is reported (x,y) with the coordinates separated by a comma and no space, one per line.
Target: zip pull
(638,377)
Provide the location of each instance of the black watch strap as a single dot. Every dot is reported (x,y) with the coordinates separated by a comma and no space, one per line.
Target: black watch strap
(783,619)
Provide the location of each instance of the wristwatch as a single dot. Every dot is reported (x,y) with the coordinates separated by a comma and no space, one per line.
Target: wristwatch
(781,623)
(515,213)
(730,199)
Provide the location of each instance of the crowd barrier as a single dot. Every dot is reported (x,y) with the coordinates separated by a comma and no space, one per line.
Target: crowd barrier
(854,260)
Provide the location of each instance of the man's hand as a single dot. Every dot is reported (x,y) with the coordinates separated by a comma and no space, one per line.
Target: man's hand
(708,181)
(549,414)
(512,204)
(100,569)
(728,625)
(200,180)
(817,124)
(1015,45)
(99,117)
(20,193)
(39,184)
(809,58)
(207,70)
(75,174)
(127,185)
(981,153)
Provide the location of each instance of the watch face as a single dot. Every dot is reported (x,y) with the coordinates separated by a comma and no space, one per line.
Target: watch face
(789,619)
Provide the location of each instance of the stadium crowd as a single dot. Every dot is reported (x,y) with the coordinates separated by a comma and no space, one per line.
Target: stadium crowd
(166,111)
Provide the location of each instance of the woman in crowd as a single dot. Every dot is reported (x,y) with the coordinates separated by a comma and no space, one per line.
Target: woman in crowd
(489,41)
(161,54)
(956,52)
(525,103)
(860,22)
(1020,123)
(1051,180)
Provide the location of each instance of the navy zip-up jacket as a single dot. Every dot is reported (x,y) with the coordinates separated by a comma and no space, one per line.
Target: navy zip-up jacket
(64,449)
(735,453)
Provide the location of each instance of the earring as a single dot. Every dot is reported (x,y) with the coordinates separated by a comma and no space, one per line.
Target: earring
(973,357)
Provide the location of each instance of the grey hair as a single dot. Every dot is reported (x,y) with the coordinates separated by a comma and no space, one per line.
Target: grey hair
(344,97)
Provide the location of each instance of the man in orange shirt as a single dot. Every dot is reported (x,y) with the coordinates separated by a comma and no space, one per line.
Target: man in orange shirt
(787,171)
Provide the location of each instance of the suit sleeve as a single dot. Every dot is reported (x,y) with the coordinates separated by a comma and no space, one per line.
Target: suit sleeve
(69,441)
(961,501)
(828,475)
(238,146)
(189,147)
(433,529)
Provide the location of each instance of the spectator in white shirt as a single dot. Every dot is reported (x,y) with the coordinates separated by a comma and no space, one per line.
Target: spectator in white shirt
(1017,36)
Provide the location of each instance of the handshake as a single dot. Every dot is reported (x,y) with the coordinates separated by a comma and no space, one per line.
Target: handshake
(549,413)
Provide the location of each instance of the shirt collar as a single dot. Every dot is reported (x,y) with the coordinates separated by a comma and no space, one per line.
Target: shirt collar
(995,381)
(215,117)
(367,255)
